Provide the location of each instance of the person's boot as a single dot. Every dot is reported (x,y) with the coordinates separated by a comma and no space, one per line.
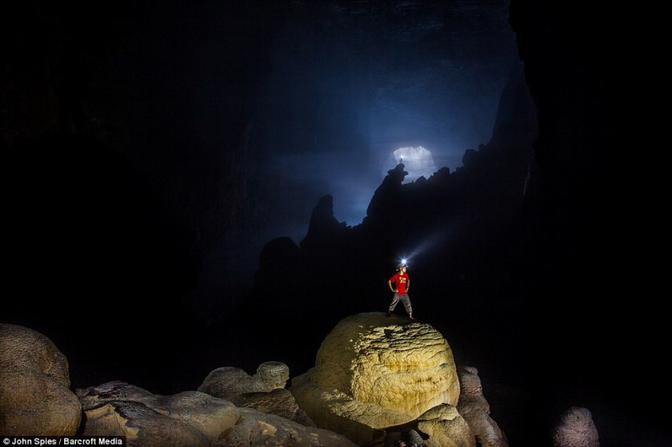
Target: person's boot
(411,317)
(389,314)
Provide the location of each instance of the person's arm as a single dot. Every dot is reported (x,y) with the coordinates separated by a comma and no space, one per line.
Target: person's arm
(389,283)
(408,284)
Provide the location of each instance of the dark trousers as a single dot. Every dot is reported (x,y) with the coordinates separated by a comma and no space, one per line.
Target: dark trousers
(405,300)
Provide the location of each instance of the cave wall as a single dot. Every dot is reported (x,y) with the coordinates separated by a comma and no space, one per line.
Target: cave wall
(591,296)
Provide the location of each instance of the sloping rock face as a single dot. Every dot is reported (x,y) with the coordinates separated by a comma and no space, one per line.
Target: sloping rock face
(35,398)
(191,419)
(373,372)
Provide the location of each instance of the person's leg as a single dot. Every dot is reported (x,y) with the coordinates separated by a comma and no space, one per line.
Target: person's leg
(406,300)
(393,304)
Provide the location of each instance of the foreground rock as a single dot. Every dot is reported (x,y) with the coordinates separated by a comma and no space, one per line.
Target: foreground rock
(191,419)
(374,372)
(475,409)
(408,438)
(279,402)
(35,396)
(259,429)
(576,429)
(446,428)
(264,391)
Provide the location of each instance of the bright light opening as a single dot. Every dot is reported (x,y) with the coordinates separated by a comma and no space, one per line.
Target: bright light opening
(417,160)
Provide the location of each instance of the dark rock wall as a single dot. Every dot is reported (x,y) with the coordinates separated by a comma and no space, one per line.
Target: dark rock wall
(115,190)
(591,301)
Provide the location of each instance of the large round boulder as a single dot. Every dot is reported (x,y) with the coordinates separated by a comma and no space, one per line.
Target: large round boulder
(35,398)
(374,371)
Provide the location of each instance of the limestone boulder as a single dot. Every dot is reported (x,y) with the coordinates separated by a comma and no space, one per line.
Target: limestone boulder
(35,398)
(24,348)
(475,409)
(576,429)
(264,391)
(446,428)
(191,419)
(279,402)
(142,426)
(187,418)
(261,429)
(229,382)
(406,437)
(373,372)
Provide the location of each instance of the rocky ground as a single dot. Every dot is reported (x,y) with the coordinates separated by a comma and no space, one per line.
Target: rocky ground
(377,381)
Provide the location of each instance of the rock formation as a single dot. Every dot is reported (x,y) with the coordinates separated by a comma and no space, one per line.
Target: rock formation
(191,419)
(280,402)
(406,438)
(228,382)
(259,429)
(264,391)
(35,396)
(374,372)
(476,410)
(576,429)
(446,428)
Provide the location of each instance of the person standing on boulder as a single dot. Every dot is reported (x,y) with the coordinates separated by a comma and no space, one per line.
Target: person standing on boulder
(402,282)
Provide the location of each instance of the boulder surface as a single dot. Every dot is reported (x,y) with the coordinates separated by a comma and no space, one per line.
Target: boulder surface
(228,382)
(373,372)
(35,396)
(576,429)
(191,419)
(280,402)
(264,391)
(476,410)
